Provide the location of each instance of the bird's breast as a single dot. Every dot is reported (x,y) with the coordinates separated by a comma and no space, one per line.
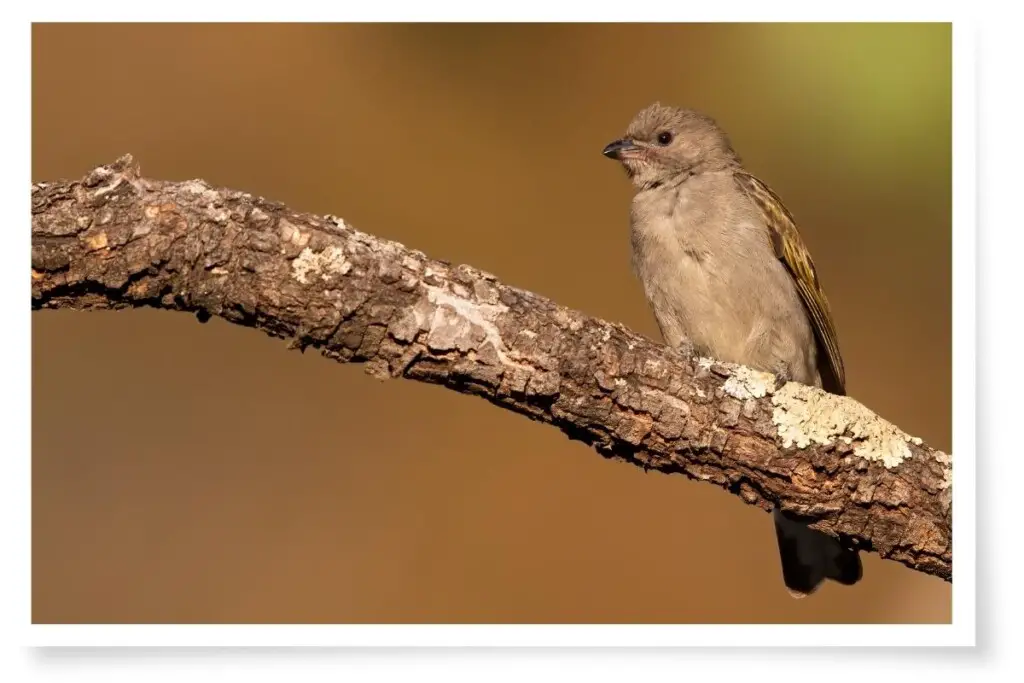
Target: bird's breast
(710,275)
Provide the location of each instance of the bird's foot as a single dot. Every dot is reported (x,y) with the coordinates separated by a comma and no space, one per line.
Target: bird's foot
(687,348)
(783,375)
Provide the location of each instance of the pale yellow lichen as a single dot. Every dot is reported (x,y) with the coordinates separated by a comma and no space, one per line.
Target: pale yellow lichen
(804,415)
(460,319)
(746,383)
(195,186)
(325,263)
(947,474)
(201,188)
(97,241)
(290,233)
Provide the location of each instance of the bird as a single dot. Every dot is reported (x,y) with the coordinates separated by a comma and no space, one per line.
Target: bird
(727,275)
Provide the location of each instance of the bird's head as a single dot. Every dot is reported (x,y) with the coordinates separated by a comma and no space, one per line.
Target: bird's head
(662,143)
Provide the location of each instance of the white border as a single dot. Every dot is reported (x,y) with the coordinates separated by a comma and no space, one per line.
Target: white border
(522,10)
(512,635)
(965,214)
(961,632)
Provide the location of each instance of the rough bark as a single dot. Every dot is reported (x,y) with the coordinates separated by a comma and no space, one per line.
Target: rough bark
(115,239)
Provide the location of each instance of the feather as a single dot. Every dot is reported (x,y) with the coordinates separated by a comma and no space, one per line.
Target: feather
(790,249)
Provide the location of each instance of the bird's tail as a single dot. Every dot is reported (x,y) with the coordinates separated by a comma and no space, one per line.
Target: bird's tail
(810,556)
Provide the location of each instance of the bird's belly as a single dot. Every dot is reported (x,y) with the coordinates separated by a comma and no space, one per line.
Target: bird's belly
(692,306)
(731,317)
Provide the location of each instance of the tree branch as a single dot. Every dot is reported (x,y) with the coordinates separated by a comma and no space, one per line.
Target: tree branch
(116,240)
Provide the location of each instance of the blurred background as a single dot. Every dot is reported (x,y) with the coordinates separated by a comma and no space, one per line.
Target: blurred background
(203,473)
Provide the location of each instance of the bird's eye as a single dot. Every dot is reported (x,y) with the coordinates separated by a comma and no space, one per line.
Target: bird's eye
(664,137)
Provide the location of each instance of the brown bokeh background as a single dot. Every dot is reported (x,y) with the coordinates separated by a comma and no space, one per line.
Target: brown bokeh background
(203,473)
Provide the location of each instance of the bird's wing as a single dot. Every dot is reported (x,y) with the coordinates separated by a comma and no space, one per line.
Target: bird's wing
(790,249)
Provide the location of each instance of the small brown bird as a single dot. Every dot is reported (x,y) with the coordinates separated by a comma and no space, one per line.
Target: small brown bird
(724,269)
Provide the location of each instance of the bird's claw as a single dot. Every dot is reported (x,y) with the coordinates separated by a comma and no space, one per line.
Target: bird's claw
(782,376)
(687,348)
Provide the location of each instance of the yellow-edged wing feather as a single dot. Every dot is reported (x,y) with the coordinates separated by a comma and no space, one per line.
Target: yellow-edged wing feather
(790,249)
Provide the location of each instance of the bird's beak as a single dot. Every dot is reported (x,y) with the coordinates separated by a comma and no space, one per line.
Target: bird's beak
(616,150)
